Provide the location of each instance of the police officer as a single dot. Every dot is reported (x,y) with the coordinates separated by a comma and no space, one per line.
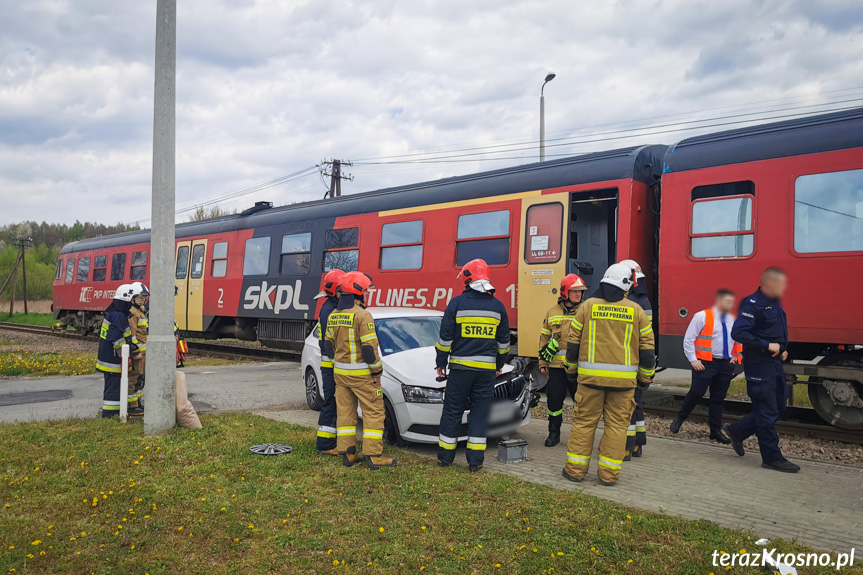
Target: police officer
(636,433)
(762,329)
(552,352)
(351,341)
(115,333)
(474,341)
(140,326)
(611,342)
(327,419)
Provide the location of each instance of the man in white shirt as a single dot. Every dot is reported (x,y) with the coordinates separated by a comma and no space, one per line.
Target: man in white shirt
(712,353)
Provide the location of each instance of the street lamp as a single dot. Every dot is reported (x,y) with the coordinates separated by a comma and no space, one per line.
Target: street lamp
(548,78)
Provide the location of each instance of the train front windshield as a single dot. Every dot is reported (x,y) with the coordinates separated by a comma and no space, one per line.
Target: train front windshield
(397,334)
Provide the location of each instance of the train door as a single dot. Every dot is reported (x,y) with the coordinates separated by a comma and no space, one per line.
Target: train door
(592,235)
(541,265)
(189,283)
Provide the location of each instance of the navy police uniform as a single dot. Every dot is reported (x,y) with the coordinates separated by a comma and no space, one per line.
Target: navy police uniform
(327,418)
(762,321)
(474,339)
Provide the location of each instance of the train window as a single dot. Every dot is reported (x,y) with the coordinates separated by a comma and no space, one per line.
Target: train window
(139,266)
(339,254)
(100,268)
(198,253)
(296,257)
(544,226)
(485,236)
(118,267)
(745,188)
(722,227)
(70,270)
(83,269)
(828,212)
(342,239)
(401,246)
(220,259)
(59,272)
(256,260)
(182,262)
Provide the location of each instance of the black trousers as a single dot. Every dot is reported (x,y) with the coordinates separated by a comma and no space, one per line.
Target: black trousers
(327,418)
(716,377)
(556,390)
(766,387)
(636,433)
(464,384)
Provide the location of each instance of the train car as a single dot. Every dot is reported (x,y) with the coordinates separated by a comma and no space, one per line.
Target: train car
(254,275)
(790,195)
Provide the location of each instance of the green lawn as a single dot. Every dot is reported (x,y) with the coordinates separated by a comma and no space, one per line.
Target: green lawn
(38,364)
(94,496)
(45,319)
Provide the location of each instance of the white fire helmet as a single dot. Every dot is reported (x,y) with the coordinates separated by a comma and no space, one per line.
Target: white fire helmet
(632,264)
(124,292)
(618,275)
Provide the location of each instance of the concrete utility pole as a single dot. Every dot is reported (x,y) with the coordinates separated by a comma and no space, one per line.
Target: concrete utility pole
(160,414)
(548,78)
(336,175)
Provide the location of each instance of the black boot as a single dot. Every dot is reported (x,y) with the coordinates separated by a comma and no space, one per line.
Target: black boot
(782,465)
(735,443)
(719,437)
(675,425)
(553,431)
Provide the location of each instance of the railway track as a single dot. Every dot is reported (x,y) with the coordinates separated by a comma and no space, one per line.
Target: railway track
(197,348)
(801,421)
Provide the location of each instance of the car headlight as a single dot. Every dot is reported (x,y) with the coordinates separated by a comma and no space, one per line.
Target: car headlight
(416,394)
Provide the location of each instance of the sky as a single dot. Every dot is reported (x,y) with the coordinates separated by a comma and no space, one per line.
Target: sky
(410,91)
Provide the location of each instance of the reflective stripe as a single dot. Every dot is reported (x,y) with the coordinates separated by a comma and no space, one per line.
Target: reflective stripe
(610,463)
(340,371)
(443,348)
(110,407)
(561,318)
(646,330)
(351,366)
(326,364)
(591,340)
(476,446)
(325,357)
(118,343)
(627,340)
(379,433)
(553,413)
(142,348)
(577,459)
(110,403)
(144,323)
(561,355)
(544,331)
(352,343)
(577,325)
(325,431)
(474,313)
(502,347)
(707,348)
(478,361)
(376,366)
(630,432)
(480,320)
(109,367)
(476,440)
(368,337)
(127,333)
(446,445)
(446,439)
(132,398)
(646,372)
(346,431)
(607,370)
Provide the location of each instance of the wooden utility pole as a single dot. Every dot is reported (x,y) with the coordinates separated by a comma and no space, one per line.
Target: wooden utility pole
(23,244)
(336,176)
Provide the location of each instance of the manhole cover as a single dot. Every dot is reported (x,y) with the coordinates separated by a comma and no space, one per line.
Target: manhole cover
(26,397)
(271,449)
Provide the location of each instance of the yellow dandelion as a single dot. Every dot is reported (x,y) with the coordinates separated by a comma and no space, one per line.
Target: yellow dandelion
(423,527)
(180,528)
(36,542)
(335,562)
(251,526)
(381,529)
(629,560)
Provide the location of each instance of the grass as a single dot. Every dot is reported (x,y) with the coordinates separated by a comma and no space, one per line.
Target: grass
(38,364)
(95,496)
(738,387)
(44,319)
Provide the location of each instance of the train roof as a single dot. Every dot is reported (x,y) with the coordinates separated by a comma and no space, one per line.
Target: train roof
(640,163)
(810,135)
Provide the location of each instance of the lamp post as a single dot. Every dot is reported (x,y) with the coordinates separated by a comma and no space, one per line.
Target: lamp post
(548,78)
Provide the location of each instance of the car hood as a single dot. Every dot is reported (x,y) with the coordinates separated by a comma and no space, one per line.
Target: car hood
(416,367)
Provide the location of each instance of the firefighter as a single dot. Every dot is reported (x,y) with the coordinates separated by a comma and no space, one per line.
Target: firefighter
(761,328)
(140,326)
(636,433)
(327,419)
(611,343)
(474,340)
(114,333)
(552,352)
(351,341)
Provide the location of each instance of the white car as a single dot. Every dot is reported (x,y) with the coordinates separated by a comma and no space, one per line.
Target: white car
(412,396)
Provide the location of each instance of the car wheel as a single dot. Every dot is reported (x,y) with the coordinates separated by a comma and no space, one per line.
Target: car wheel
(391,426)
(313,391)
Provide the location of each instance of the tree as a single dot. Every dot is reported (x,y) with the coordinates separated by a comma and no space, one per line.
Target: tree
(203,213)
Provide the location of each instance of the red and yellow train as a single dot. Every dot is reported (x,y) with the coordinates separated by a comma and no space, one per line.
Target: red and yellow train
(711,211)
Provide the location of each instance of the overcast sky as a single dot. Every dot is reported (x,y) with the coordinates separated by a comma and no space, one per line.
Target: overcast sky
(268,88)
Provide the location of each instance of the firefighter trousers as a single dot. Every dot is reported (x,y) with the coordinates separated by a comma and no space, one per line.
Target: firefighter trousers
(371,400)
(636,433)
(615,406)
(327,417)
(111,395)
(556,391)
(136,374)
(465,385)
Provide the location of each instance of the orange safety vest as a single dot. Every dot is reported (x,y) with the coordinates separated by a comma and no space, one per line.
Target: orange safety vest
(704,341)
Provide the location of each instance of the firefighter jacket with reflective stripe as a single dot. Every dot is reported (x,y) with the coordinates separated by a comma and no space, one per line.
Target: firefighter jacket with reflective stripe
(351,336)
(555,325)
(474,333)
(115,332)
(140,326)
(327,308)
(612,344)
(704,340)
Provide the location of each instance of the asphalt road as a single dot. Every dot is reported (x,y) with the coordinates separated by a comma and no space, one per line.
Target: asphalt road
(244,387)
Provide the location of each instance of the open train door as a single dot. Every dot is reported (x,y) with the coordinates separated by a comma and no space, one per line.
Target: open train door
(189,281)
(541,266)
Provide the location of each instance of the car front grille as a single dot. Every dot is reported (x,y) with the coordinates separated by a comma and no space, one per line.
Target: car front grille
(509,387)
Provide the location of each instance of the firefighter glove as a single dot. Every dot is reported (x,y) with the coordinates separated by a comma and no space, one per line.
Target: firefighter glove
(548,350)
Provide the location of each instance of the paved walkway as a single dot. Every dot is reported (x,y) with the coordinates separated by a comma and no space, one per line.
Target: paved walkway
(821,506)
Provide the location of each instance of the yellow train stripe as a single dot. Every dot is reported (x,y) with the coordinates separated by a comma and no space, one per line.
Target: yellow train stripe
(462,203)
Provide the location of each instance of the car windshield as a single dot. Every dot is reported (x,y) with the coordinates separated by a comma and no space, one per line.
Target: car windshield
(397,334)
